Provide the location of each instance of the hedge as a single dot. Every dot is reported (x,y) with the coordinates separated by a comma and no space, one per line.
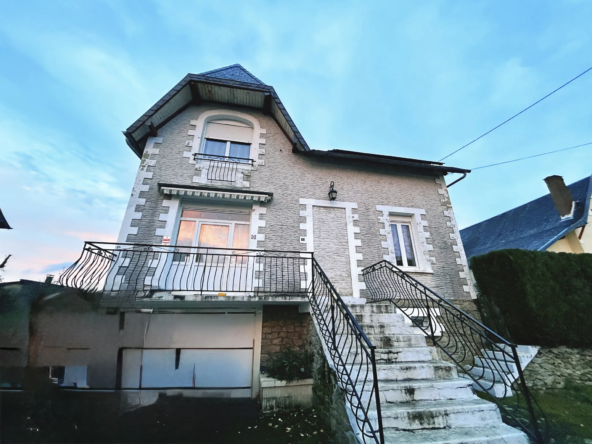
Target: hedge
(544,298)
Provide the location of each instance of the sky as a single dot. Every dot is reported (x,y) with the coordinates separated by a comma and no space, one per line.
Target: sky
(401,78)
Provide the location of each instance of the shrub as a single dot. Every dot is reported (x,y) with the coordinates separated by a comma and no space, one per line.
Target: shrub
(290,365)
(545,298)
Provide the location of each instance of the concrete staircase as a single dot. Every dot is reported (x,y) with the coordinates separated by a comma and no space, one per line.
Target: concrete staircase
(423,399)
(492,368)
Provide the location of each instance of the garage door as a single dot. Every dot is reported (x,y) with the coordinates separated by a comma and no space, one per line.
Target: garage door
(195,351)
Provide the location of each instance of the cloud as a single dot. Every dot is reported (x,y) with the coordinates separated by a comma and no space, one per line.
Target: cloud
(55,267)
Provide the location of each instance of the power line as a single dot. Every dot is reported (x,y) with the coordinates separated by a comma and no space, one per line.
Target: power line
(515,115)
(530,157)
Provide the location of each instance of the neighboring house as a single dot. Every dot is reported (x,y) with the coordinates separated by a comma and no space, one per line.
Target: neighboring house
(4,222)
(556,222)
(213,268)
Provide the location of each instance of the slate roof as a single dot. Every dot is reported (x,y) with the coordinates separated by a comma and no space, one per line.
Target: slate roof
(233,72)
(391,160)
(535,225)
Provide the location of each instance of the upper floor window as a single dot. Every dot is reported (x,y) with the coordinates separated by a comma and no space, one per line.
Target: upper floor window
(228,140)
(403,242)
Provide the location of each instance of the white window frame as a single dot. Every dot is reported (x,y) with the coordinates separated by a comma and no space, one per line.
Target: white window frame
(200,222)
(227,155)
(419,236)
(408,221)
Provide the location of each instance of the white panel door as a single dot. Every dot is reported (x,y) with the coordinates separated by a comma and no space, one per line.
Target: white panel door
(130,372)
(158,370)
(201,331)
(220,368)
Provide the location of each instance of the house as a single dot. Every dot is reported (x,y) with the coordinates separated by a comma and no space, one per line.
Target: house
(240,240)
(554,222)
(4,222)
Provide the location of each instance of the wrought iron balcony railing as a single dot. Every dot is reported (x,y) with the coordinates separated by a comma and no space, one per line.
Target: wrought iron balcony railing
(464,341)
(142,270)
(222,168)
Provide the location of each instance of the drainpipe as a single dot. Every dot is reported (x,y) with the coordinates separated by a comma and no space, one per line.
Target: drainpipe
(457,180)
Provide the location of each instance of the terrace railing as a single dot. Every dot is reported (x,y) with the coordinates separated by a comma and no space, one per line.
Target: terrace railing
(464,341)
(137,271)
(222,168)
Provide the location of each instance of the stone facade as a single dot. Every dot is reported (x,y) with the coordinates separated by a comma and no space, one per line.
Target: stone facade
(553,368)
(294,176)
(283,327)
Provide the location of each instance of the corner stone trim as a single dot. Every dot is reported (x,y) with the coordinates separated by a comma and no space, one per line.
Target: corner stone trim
(139,186)
(455,235)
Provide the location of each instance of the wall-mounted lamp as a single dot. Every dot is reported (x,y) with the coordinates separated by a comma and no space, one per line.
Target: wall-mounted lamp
(332,192)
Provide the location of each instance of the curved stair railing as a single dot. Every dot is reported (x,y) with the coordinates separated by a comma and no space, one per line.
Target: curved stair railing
(466,342)
(351,352)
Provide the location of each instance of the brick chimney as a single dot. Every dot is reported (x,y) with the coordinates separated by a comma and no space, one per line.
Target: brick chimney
(561,196)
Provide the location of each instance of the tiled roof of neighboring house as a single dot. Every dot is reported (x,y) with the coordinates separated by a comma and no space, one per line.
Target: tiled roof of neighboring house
(532,226)
(233,72)
(4,222)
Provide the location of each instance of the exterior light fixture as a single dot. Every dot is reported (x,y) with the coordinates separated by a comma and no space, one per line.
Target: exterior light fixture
(332,192)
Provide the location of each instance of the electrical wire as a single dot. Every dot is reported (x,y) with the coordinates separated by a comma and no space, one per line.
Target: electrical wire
(530,157)
(515,115)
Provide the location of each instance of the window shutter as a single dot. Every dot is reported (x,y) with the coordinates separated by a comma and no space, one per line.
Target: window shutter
(233,133)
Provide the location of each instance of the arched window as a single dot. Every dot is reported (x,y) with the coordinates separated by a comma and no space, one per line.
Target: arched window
(227,140)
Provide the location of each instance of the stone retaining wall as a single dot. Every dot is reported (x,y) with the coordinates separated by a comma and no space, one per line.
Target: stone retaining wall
(283,327)
(551,368)
(328,398)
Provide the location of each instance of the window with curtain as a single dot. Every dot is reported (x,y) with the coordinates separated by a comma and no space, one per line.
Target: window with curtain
(212,230)
(403,243)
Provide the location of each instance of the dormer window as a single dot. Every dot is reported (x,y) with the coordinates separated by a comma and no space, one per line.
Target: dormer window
(231,151)
(228,140)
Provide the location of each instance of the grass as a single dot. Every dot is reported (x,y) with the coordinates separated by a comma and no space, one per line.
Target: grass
(568,411)
(50,416)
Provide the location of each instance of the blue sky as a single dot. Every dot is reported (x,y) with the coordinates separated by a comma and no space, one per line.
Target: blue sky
(412,79)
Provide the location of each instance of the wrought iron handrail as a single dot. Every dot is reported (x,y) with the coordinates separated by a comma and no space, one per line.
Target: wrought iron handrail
(121,270)
(464,340)
(222,168)
(351,352)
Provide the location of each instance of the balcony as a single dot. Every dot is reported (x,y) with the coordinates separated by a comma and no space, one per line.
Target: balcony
(222,168)
(151,272)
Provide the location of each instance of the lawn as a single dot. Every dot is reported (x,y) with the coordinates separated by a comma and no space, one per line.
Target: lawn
(568,411)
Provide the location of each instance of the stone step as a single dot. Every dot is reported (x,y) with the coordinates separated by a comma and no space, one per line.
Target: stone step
(391,355)
(496,364)
(372,308)
(380,318)
(406,371)
(491,375)
(430,390)
(379,328)
(438,414)
(384,341)
(496,389)
(497,434)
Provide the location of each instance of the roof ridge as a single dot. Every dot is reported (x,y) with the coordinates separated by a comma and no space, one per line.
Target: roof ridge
(235,65)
